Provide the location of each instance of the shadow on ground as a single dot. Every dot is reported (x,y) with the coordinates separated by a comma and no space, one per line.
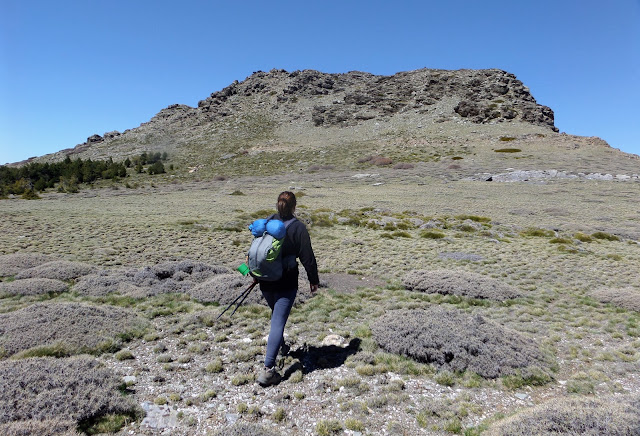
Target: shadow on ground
(311,358)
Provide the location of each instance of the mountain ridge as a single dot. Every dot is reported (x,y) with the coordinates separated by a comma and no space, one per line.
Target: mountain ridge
(416,116)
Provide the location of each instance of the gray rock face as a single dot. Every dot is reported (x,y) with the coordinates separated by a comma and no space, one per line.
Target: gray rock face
(482,95)
(94,138)
(159,417)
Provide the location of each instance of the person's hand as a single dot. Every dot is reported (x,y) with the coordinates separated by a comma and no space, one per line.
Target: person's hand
(314,288)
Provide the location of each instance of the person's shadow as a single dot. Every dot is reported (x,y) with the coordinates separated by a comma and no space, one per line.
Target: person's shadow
(311,358)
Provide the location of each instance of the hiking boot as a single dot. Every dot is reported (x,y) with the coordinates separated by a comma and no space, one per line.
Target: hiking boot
(268,377)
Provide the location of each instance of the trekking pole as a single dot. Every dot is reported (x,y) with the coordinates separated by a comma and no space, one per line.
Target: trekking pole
(243,298)
(243,295)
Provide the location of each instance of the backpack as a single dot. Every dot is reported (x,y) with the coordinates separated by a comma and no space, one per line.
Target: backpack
(265,258)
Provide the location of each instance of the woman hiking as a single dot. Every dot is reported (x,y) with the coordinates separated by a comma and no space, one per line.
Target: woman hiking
(281,294)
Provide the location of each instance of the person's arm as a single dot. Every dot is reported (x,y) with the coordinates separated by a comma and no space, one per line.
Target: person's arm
(307,258)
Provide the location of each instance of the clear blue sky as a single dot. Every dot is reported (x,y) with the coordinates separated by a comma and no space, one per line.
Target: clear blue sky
(69,69)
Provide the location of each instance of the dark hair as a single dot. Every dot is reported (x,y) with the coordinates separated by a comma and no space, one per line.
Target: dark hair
(286,203)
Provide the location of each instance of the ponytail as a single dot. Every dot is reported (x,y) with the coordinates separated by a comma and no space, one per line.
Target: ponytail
(286,204)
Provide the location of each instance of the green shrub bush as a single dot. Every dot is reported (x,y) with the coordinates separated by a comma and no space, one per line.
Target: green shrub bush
(77,389)
(611,416)
(57,269)
(626,298)
(605,236)
(46,427)
(12,264)
(67,328)
(455,341)
(33,287)
(460,283)
(432,234)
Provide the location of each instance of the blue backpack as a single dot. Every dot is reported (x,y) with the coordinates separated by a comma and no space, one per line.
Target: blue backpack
(265,257)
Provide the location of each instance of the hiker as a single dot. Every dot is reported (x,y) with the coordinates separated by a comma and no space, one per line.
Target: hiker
(281,293)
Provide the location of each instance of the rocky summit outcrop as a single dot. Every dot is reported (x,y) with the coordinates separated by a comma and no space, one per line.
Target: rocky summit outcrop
(306,105)
(479,95)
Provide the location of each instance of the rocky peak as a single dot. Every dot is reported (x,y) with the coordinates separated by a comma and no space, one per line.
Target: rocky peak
(480,96)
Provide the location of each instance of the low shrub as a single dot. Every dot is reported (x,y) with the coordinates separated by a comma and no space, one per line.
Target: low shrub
(605,236)
(582,237)
(46,427)
(507,150)
(381,161)
(57,269)
(376,160)
(539,233)
(561,241)
(474,218)
(12,264)
(507,138)
(166,277)
(30,195)
(67,328)
(626,298)
(223,289)
(460,283)
(77,389)
(455,341)
(326,427)
(575,416)
(432,234)
(33,287)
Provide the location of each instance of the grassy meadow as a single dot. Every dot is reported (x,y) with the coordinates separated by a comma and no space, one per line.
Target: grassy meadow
(564,250)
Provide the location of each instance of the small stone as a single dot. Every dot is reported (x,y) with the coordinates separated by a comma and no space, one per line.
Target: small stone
(521,396)
(336,340)
(232,417)
(129,379)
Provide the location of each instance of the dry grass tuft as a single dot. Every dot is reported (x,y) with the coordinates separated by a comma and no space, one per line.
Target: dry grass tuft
(242,428)
(167,277)
(33,287)
(460,283)
(67,328)
(575,416)
(12,264)
(455,341)
(46,427)
(57,269)
(77,389)
(627,298)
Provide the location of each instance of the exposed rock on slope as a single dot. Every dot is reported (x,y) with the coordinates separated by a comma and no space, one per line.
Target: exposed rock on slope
(481,95)
(309,101)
